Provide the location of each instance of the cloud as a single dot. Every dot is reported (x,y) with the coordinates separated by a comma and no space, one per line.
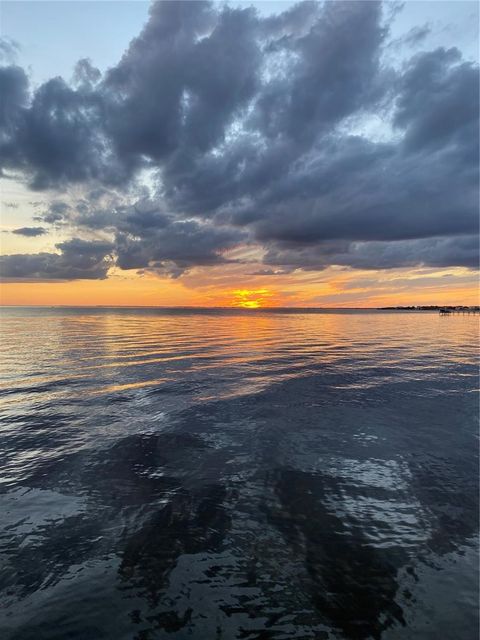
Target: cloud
(85,75)
(30,232)
(414,37)
(434,252)
(78,259)
(184,243)
(417,35)
(13,99)
(255,130)
(57,212)
(9,50)
(271,272)
(437,104)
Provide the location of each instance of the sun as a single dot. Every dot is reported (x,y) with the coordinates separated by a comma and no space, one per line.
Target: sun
(251,298)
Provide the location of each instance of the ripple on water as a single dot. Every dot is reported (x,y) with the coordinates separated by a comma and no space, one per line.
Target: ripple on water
(233,475)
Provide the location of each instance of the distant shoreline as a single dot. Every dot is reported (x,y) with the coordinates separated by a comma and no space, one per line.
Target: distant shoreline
(434,307)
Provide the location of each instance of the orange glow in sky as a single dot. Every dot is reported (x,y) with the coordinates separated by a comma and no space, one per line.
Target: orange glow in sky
(215,287)
(252,298)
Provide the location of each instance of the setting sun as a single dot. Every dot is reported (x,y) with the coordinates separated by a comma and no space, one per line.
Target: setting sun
(252,298)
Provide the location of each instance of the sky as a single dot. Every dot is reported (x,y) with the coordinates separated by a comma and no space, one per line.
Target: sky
(238,154)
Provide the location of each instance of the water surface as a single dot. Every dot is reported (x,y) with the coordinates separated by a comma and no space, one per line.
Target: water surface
(220,475)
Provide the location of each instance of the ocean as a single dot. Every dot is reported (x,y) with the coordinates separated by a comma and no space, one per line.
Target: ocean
(229,474)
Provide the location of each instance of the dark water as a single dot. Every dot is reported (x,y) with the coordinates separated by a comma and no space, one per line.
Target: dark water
(244,475)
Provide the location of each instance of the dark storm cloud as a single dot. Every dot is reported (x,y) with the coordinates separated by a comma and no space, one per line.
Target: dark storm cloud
(256,130)
(333,73)
(13,99)
(437,104)
(145,236)
(185,243)
(30,232)
(357,190)
(61,139)
(314,81)
(433,252)
(78,259)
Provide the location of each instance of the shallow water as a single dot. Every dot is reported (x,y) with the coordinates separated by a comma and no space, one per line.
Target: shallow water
(220,475)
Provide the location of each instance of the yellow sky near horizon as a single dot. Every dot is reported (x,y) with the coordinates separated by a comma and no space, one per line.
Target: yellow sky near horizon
(232,285)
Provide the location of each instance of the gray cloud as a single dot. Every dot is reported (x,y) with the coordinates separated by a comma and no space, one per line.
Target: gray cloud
(57,212)
(79,259)
(147,237)
(13,99)
(437,104)
(184,243)
(9,50)
(85,75)
(245,123)
(433,252)
(30,232)
(413,38)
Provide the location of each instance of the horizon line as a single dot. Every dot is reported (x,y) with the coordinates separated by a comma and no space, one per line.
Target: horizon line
(231,308)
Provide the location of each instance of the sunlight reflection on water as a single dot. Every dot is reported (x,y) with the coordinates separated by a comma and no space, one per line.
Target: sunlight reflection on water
(297,475)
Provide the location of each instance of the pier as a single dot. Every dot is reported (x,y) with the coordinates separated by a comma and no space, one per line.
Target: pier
(451,311)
